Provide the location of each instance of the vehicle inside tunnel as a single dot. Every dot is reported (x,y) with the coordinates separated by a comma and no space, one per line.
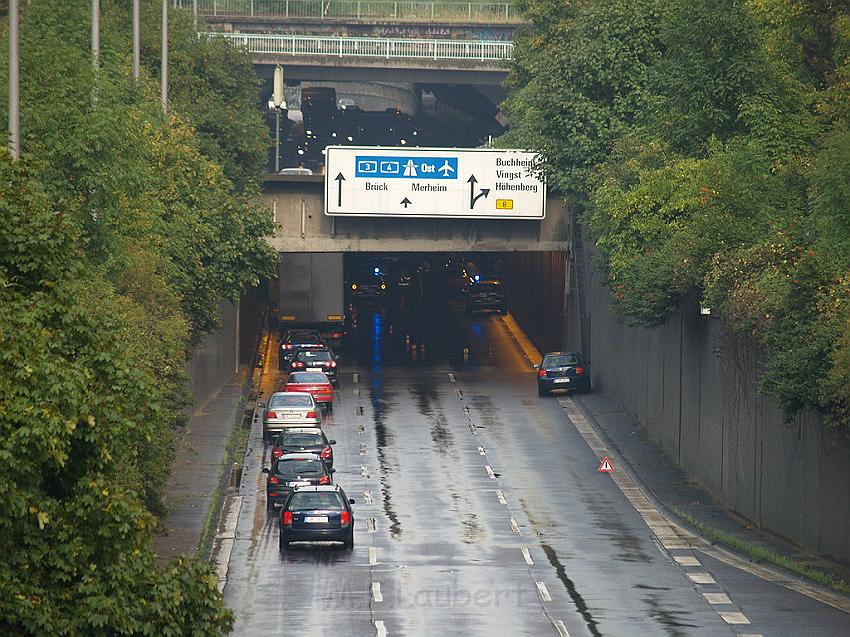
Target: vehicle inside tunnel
(436,308)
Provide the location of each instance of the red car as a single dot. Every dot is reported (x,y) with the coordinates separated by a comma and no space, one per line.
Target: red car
(315,383)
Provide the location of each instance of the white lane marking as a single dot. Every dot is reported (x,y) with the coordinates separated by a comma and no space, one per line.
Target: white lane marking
(717,598)
(367,497)
(371,525)
(514,525)
(490,471)
(362,449)
(526,555)
(501,497)
(376,592)
(701,578)
(380,628)
(356,392)
(364,471)
(562,630)
(481,451)
(459,393)
(686,560)
(355,377)
(544,592)
(734,618)
(373,556)
(451,377)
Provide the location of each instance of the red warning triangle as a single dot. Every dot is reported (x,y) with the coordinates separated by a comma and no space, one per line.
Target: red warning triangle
(606,466)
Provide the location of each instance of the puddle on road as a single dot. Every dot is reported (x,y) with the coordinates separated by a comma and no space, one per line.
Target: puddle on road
(611,526)
(426,398)
(471,531)
(671,620)
(378,397)
(572,591)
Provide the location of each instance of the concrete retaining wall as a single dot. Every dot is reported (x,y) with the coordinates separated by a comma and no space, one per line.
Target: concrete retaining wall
(214,360)
(695,387)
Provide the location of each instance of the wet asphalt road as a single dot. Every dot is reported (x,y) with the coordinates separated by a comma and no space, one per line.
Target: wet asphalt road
(479,511)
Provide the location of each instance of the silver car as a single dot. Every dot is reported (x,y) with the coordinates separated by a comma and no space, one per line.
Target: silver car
(290,409)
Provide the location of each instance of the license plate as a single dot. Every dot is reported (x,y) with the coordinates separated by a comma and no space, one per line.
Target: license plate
(316,519)
(291,413)
(314,369)
(562,380)
(299,484)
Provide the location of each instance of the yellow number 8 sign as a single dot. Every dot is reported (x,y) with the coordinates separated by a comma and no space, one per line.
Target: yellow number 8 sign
(504,204)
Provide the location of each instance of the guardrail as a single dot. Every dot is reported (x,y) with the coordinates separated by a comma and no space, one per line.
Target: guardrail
(485,12)
(296,45)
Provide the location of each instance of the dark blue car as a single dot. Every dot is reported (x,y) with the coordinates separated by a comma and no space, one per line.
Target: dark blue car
(562,370)
(317,514)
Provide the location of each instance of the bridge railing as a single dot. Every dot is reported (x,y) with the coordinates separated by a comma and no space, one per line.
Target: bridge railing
(295,45)
(484,12)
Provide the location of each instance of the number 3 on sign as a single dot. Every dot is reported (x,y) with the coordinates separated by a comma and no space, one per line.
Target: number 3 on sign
(504,204)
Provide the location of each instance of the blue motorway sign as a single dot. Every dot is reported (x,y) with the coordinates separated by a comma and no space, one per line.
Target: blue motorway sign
(376,167)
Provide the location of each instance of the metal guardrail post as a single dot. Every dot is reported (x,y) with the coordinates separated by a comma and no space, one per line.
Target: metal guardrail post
(252,8)
(469,11)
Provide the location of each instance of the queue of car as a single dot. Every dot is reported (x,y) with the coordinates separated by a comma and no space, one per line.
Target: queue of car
(299,481)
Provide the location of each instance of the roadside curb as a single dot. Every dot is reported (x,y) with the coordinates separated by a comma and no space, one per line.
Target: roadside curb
(764,570)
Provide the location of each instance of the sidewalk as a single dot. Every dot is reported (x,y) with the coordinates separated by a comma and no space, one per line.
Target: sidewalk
(197,470)
(672,487)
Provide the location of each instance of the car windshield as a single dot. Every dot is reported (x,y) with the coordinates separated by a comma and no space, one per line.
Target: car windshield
(307,378)
(309,500)
(309,356)
(290,400)
(295,468)
(561,360)
(301,440)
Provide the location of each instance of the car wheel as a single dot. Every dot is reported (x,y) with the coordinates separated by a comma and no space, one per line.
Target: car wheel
(269,504)
(349,542)
(542,392)
(284,545)
(335,384)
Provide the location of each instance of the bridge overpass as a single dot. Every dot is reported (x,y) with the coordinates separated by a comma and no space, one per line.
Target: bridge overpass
(298,206)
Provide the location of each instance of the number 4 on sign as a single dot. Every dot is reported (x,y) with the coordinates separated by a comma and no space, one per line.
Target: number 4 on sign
(606,466)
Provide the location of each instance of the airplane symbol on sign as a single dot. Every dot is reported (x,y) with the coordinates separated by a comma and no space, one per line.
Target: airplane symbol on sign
(446,169)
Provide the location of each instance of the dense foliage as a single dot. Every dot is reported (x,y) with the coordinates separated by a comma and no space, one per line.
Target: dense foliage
(121,231)
(708,143)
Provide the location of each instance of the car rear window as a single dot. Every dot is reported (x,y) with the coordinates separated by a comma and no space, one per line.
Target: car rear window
(316,500)
(486,287)
(307,377)
(560,361)
(301,440)
(308,355)
(295,468)
(290,400)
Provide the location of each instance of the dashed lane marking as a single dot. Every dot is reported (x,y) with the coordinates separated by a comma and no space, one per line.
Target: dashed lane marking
(717,598)
(356,392)
(490,471)
(481,451)
(734,618)
(701,578)
(514,525)
(364,471)
(526,555)
(371,525)
(501,497)
(355,377)
(376,592)
(451,377)
(362,449)
(544,592)
(562,630)
(373,556)
(367,497)
(380,629)
(686,560)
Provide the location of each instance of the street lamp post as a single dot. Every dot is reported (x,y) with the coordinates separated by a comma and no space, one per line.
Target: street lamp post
(164,64)
(137,41)
(14,81)
(278,103)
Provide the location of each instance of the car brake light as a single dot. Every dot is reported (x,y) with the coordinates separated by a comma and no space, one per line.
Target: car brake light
(299,364)
(336,335)
(287,346)
(326,453)
(345,518)
(271,414)
(541,373)
(287,518)
(333,364)
(273,479)
(325,480)
(579,370)
(311,414)
(276,452)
